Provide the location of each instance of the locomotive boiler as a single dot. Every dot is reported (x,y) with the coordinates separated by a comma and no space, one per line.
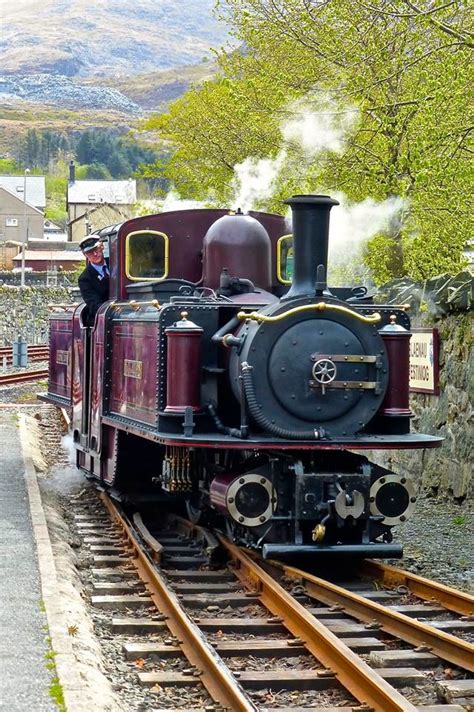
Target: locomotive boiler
(226,378)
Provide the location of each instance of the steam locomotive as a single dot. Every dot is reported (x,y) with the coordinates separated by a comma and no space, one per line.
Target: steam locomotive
(225,377)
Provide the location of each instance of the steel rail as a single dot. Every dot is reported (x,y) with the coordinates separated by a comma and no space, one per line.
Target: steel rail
(446,646)
(5,350)
(9,378)
(364,683)
(214,675)
(35,353)
(32,350)
(391,577)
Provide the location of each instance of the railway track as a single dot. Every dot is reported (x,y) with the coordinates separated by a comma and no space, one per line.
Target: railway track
(250,635)
(36,353)
(7,379)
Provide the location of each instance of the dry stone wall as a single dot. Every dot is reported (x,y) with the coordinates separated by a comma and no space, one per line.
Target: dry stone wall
(445,471)
(24,312)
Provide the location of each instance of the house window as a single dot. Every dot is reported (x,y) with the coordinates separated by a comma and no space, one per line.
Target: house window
(285,259)
(11,222)
(146,256)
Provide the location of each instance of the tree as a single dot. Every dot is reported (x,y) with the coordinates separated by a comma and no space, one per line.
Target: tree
(97,171)
(31,149)
(84,148)
(403,67)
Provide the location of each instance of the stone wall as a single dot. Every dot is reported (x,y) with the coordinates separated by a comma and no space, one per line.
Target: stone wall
(447,471)
(24,312)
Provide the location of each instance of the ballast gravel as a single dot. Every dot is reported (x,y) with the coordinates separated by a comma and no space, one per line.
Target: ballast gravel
(437,544)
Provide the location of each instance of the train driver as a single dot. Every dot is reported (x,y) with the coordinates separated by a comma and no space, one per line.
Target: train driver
(94,280)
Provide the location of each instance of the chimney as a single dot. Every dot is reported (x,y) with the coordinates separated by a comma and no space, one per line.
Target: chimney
(310,244)
(72,172)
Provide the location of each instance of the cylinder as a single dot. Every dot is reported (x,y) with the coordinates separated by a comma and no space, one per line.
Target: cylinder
(397,397)
(310,241)
(183,378)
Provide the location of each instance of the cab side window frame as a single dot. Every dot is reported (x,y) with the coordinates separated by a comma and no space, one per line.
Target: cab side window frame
(282,256)
(129,255)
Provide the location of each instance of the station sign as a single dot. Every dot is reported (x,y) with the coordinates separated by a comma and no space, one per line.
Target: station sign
(424,361)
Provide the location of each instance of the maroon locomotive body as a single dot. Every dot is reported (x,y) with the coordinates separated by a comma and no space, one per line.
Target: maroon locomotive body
(225,376)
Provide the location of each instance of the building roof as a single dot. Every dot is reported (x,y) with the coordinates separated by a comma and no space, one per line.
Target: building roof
(94,192)
(51,255)
(19,197)
(35,188)
(55,243)
(49,226)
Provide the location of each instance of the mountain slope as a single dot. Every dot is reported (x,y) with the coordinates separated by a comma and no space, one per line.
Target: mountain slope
(76,38)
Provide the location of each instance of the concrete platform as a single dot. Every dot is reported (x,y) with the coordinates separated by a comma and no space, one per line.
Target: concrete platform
(25,679)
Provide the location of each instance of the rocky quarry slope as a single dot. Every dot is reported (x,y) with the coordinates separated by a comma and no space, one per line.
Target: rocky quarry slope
(63,91)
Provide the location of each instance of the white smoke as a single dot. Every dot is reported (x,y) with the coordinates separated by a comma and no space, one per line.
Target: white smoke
(254,180)
(310,130)
(315,125)
(315,131)
(67,445)
(173,201)
(352,225)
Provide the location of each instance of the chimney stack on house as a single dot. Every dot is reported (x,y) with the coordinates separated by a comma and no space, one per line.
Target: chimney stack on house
(72,172)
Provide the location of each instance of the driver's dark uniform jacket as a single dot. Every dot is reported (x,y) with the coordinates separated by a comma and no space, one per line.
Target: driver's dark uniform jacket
(94,285)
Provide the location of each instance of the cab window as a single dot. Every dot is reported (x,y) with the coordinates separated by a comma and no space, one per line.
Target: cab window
(285,259)
(146,255)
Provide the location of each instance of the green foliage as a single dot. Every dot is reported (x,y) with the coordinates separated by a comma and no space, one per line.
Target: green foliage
(56,186)
(57,214)
(458,521)
(403,67)
(8,166)
(380,257)
(120,156)
(98,171)
(40,149)
(56,694)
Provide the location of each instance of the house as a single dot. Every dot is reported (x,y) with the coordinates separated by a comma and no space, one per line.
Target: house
(38,258)
(35,189)
(54,232)
(19,220)
(92,204)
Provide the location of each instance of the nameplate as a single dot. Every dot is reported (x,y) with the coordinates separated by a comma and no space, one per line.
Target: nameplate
(62,357)
(132,369)
(424,361)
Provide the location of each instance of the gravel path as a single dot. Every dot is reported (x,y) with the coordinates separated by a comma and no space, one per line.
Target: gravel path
(438,542)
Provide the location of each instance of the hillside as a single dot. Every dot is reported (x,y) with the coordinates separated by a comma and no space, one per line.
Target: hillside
(152,91)
(106,65)
(41,102)
(106,38)
(16,119)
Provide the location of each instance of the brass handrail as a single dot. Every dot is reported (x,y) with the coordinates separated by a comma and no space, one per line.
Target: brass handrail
(320,306)
(138,305)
